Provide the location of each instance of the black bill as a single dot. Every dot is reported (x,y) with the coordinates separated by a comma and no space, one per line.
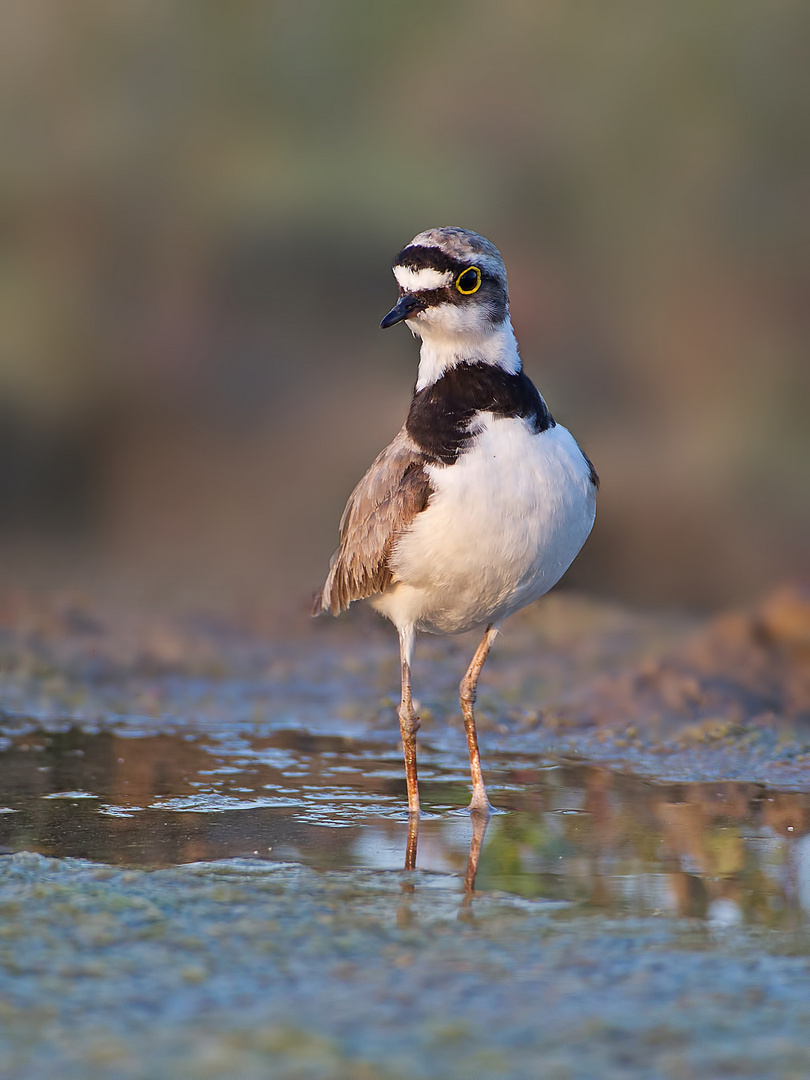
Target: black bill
(406,306)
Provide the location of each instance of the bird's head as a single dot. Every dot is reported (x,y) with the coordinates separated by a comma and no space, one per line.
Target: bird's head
(451,282)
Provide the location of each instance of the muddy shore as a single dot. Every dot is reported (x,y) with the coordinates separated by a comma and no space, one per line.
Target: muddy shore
(203,837)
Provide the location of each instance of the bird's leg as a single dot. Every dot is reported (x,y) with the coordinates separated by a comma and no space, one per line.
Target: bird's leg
(408,720)
(467,693)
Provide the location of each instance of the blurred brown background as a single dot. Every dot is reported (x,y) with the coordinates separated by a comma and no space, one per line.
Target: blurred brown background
(199,207)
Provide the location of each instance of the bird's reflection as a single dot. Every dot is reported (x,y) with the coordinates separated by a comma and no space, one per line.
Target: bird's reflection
(412,842)
(160,800)
(479,828)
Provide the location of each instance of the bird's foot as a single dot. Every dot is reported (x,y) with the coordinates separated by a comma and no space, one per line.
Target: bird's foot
(480,806)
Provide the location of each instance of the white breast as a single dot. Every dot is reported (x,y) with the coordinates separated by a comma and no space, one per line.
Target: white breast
(505,522)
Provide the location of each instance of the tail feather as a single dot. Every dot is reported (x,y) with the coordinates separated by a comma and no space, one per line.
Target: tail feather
(318,607)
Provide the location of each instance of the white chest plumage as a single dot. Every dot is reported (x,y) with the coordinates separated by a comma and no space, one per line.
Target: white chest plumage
(504,523)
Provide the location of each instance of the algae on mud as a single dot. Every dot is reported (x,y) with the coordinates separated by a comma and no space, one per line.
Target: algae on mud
(203,876)
(240,969)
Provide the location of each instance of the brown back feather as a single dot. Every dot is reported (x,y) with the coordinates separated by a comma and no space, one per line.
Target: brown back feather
(394,490)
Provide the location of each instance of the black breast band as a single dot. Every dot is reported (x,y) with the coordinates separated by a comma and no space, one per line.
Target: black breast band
(441,414)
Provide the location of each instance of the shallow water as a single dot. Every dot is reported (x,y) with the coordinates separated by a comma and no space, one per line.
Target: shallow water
(727,853)
(203,836)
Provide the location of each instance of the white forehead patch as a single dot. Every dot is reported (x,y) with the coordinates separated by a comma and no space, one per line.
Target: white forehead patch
(417,280)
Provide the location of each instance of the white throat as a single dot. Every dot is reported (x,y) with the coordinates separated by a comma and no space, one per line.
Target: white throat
(443,347)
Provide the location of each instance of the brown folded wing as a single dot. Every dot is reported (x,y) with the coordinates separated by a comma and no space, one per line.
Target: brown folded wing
(394,490)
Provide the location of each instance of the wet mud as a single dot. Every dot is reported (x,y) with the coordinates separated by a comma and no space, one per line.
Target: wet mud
(203,840)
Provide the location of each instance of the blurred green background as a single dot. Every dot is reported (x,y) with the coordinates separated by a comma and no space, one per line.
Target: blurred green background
(200,202)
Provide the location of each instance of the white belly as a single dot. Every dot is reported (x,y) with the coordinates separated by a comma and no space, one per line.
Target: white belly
(504,523)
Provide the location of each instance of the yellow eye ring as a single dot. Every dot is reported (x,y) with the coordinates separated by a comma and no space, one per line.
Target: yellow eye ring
(463,281)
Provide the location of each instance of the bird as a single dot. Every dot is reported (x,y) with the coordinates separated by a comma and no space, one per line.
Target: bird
(481,502)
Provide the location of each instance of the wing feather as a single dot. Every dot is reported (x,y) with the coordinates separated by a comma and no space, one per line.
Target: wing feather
(394,490)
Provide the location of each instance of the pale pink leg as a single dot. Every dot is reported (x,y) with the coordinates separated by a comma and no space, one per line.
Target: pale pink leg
(467,694)
(408,720)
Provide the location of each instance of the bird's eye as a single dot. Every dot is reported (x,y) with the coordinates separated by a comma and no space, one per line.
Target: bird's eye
(469,281)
